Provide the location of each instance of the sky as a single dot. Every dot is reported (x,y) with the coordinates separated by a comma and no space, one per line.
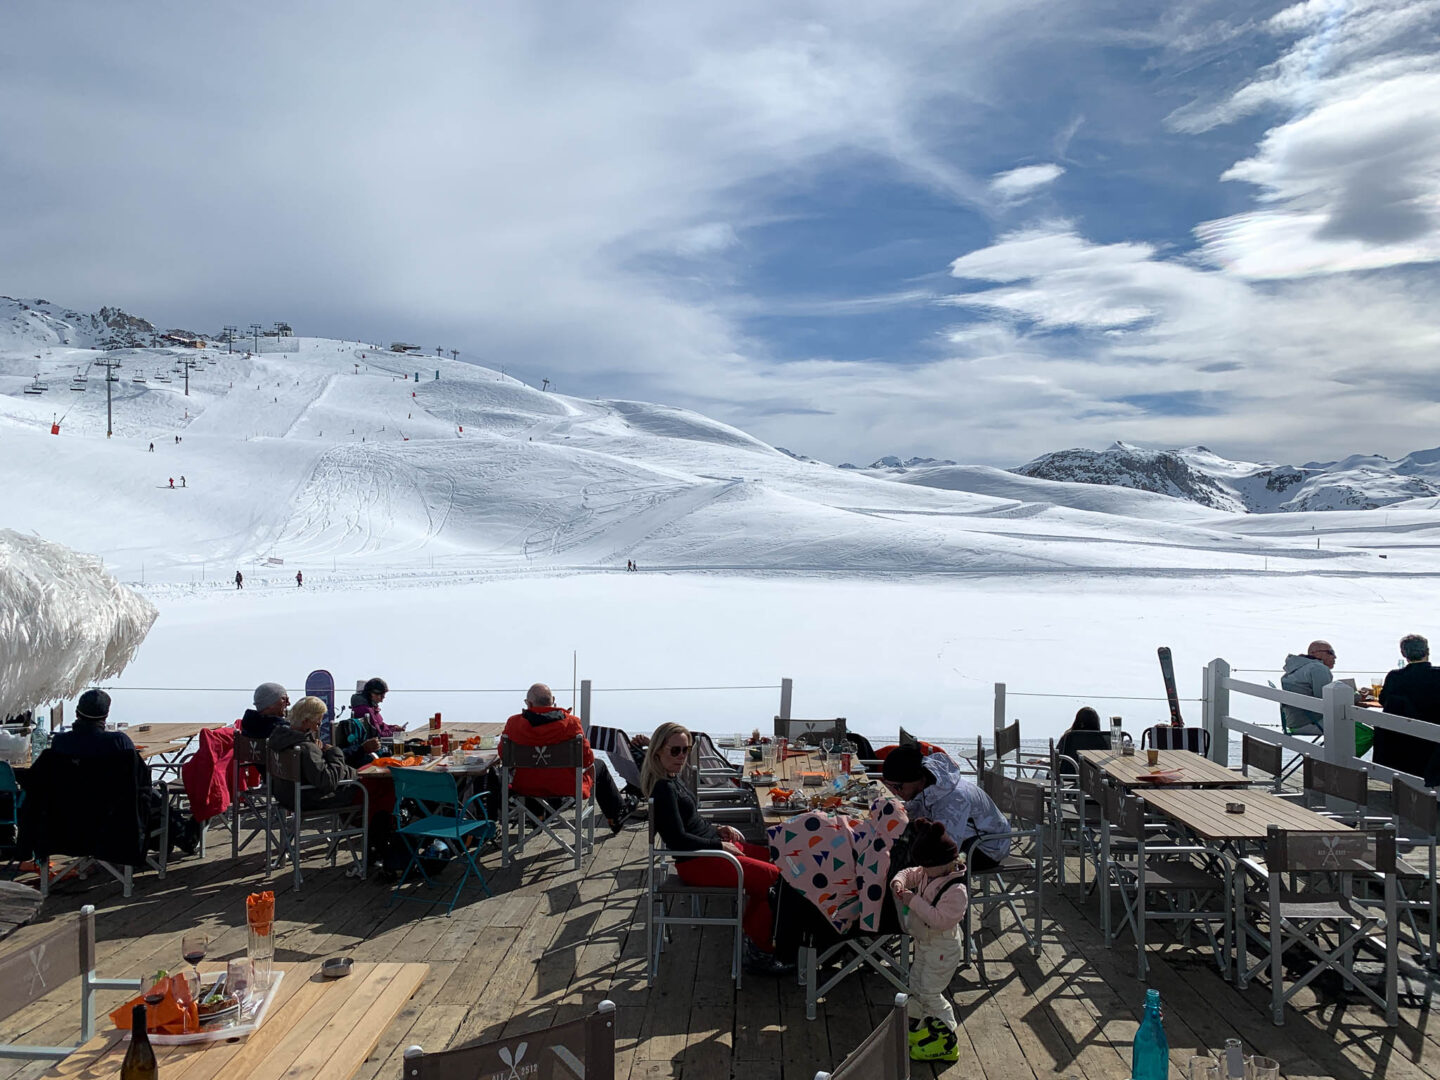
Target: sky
(977,231)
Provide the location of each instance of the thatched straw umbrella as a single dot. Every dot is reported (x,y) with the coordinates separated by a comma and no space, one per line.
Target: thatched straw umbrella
(64,622)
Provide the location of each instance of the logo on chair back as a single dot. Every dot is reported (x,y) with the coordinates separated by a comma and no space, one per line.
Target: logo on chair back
(541,759)
(517,1070)
(36,977)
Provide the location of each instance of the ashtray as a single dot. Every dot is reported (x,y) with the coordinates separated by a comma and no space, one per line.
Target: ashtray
(337,967)
(1234,807)
(1128,750)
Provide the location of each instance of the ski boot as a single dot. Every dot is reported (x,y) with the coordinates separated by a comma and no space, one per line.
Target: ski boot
(933,1040)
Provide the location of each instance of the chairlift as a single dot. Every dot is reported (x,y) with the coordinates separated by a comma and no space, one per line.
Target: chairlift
(36,387)
(80,386)
(162,378)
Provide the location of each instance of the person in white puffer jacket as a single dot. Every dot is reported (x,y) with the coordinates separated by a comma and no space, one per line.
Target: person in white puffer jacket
(932,787)
(932,900)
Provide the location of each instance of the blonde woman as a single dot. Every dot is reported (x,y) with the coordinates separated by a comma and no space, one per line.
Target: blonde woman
(321,767)
(677,819)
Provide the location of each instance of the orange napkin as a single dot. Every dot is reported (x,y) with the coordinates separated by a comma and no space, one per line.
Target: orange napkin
(398,762)
(260,912)
(175,1015)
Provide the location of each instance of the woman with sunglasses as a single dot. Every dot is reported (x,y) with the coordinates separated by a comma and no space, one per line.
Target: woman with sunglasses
(678,821)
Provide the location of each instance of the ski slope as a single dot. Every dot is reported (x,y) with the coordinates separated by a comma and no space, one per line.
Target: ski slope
(470,530)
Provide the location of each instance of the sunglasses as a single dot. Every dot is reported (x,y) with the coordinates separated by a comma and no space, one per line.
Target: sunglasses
(677,751)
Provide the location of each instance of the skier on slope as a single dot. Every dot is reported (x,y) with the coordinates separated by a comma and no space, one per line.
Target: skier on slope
(172,483)
(299,578)
(239,580)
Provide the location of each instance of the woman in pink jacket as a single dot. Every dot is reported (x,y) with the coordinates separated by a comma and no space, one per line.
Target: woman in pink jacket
(932,899)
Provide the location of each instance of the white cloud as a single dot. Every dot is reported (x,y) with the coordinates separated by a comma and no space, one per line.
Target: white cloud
(1019,184)
(706,239)
(1351,180)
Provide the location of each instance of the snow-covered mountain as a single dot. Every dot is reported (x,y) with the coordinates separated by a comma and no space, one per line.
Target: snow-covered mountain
(1359,482)
(31,324)
(334,455)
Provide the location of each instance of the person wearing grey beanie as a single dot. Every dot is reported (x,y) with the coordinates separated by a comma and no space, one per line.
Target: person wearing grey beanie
(271,700)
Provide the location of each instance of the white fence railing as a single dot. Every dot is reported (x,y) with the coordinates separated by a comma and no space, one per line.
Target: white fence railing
(1339,715)
(1336,707)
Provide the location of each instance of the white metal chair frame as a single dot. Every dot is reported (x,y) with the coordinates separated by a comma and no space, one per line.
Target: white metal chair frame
(27,974)
(1136,867)
(251,809)
(663,885)
(1023,801)
(575,815)
(1419,809)
(346,822)
(888,955)
(1330,861)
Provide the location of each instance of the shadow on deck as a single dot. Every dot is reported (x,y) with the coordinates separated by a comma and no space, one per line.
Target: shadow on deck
(552,943)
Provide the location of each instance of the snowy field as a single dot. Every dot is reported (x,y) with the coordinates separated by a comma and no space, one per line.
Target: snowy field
(466,535)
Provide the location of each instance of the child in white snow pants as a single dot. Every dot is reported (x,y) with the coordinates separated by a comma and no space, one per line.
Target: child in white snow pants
(932,899)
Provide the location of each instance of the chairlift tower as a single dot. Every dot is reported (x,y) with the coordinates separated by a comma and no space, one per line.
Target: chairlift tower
(230,332)
(188,365)
(255,329)
(109,364)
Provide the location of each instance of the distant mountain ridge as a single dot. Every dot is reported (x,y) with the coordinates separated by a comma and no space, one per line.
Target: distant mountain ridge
(39,323)
(1197,474)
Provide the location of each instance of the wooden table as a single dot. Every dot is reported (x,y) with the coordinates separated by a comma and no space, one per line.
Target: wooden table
(1202,811)
(167,740)
(1198,772)
(317,1029)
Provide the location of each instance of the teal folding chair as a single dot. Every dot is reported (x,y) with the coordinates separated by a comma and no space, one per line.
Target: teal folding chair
(443,819)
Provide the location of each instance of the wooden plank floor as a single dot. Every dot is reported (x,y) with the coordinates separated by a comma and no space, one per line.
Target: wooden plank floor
(551,943)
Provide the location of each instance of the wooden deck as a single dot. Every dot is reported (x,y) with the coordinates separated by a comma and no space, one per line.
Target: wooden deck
(552,943)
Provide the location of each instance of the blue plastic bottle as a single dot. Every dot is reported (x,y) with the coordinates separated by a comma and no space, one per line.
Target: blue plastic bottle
(1150,1056)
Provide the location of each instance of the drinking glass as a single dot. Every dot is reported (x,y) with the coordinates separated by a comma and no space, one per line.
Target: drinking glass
(1204,1067)
(1261,1068)
(192,947)
(238,977)
(827,744)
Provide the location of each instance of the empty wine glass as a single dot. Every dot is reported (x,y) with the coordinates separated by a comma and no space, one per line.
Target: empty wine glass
(1261,1068)
(1204,1067)
(192,947)
(827,744)
(238,978)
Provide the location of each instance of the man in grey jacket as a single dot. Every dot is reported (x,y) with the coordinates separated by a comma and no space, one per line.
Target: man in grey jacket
(1308,674)
(932,787)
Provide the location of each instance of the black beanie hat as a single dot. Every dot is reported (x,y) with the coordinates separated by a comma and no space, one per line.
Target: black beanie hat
(93,705)
(903,764)
(932,845)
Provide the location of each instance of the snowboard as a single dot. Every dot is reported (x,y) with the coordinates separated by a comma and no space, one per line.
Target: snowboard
(320,683)
(1167,672)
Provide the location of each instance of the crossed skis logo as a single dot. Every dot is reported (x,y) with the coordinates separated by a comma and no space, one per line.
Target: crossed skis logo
(512,1061)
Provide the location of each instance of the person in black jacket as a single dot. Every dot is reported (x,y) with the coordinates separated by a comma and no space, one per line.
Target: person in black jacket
(1413,691)
(678,821)
(271,700)
(87,738)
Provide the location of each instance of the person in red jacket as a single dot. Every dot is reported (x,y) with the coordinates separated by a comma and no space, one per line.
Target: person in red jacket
(543,723)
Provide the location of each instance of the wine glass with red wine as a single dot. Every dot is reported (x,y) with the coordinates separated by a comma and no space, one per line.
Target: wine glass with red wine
(192,947)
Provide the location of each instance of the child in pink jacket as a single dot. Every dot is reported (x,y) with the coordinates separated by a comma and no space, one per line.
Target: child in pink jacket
(932,899)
